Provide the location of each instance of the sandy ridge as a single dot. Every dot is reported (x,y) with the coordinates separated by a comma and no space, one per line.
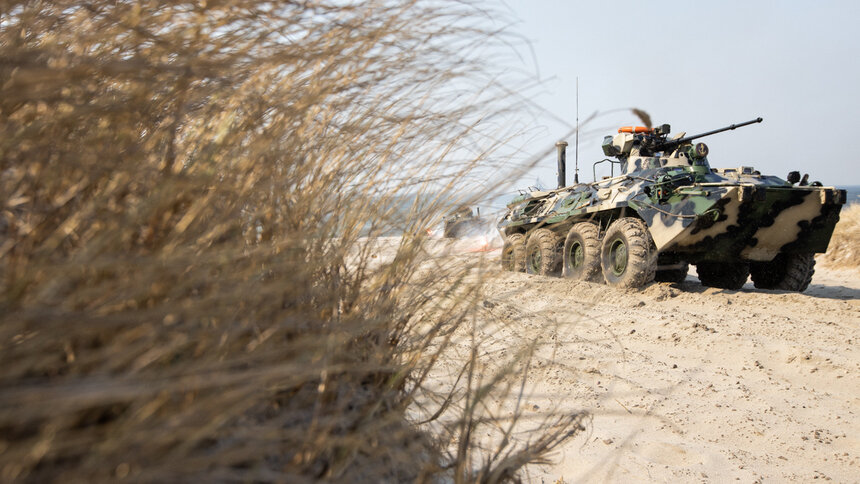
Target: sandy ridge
(688,382)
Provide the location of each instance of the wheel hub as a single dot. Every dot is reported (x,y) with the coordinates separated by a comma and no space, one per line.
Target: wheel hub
(577,255)
(618,257)
(535,261)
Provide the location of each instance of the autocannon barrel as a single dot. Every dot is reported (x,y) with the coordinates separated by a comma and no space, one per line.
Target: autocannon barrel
(678,142)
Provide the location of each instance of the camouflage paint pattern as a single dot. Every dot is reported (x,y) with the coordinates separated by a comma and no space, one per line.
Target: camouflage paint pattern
(693,213)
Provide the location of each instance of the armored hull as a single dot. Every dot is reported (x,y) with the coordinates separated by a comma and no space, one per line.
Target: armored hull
(666,212)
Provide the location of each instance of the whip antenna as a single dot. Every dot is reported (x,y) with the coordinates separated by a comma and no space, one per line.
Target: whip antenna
(576,144)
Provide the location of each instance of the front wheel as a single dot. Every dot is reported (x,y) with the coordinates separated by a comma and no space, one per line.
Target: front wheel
(628,256)
(788,272)
(581,255)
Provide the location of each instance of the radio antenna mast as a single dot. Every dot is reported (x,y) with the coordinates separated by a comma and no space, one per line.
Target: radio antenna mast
(576,148)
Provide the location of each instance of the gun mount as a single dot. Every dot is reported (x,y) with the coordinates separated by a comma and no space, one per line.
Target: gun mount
(642,141)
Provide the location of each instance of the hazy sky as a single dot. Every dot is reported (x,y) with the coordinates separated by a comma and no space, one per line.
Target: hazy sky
(702,65)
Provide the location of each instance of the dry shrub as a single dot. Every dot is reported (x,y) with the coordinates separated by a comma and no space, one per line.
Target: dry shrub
(842,252)
(190,191)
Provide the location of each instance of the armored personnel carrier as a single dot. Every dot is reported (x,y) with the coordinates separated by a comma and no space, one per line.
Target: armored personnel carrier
(667,209)
(463,222)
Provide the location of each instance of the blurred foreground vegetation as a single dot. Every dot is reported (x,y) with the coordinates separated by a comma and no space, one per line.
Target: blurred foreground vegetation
(186,289)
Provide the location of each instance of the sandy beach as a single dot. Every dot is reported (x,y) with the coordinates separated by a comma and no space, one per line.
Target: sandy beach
(684,383)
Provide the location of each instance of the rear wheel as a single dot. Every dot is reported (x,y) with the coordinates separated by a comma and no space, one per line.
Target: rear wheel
(676,275)
(788,272)
(543,253)
(628,256)
(725,275)
(581,255)
(514,253)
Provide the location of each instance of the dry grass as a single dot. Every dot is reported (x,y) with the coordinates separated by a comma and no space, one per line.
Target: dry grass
(842,252)
(186,290)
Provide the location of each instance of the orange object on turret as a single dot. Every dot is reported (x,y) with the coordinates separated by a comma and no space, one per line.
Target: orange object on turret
(634,129)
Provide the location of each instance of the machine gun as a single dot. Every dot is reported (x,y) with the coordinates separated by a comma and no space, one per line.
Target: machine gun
(657,142)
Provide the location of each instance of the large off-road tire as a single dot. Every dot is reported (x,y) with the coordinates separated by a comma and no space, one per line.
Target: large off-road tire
(581,254)
(628,257)
(725,275)
(543,253)
(673,275)
(788,272)
(514,253)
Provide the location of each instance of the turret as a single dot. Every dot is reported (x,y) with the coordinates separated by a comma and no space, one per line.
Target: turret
(641,142)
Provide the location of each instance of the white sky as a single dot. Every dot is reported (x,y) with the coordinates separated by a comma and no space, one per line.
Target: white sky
(699,66)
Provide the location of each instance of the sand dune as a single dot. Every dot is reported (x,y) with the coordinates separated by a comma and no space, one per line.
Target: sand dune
(843,252)
(685,382)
